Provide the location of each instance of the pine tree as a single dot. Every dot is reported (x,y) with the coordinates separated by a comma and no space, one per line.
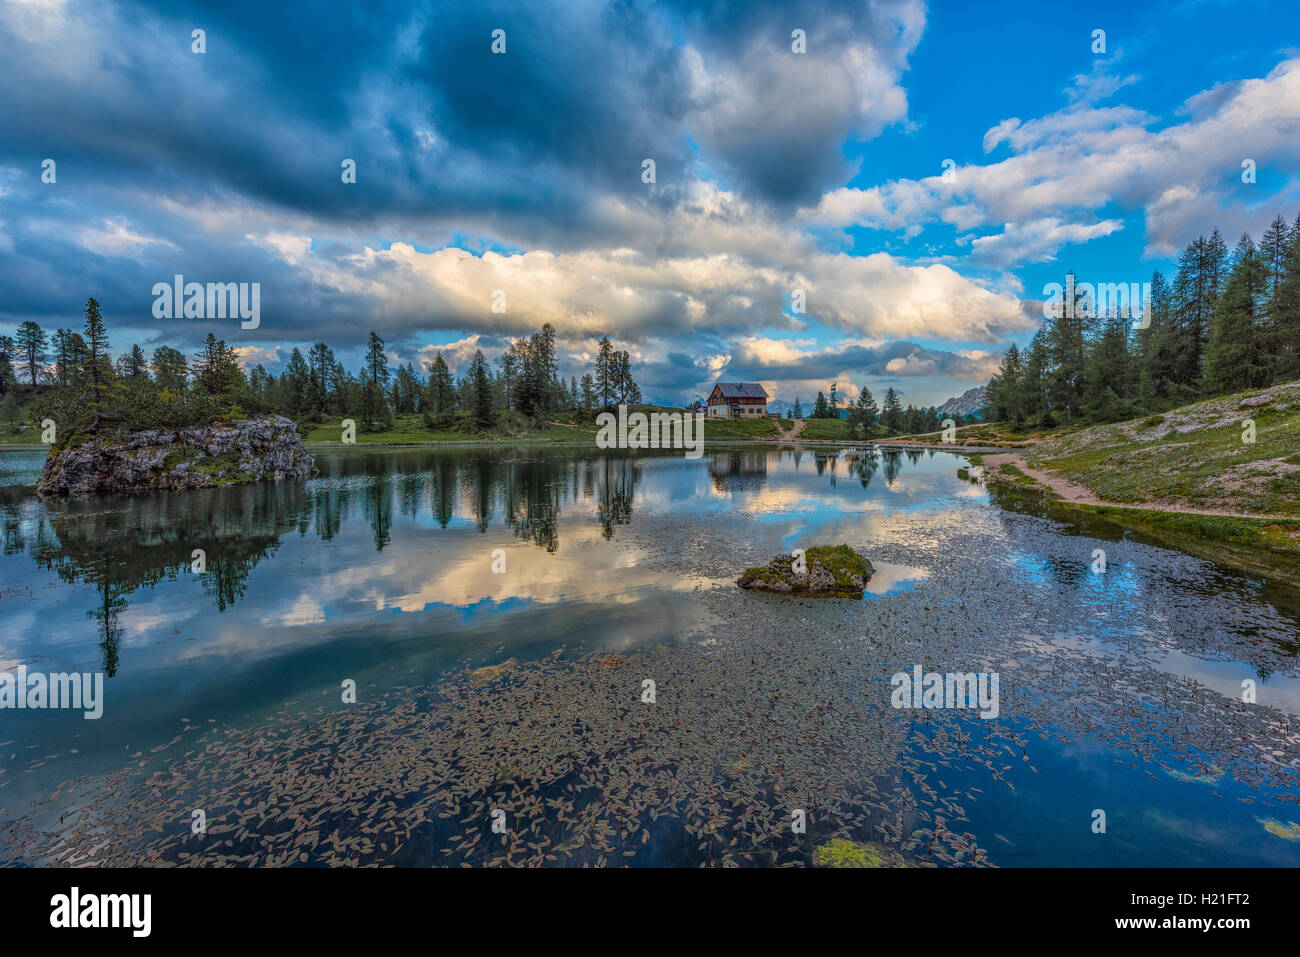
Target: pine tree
(6,368)
(891,414)
(547,367)
(1034,397)
(70,358)
(215,370)
(10,412)
(1237,355)
(1286,307)
(1274,253)
(864,415)
(295,385)
(797,411)
(32,342)
(509,361)
(1006,392)
(321,366)
(169,369)
(1066,335)
(606,373)
(440,392)
(132,364)
(481,390)
(1109,380)
(1153,346)
(1201,268)
(97,367)
(374,408)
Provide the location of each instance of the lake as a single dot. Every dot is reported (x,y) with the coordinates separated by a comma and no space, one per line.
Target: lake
(505,613)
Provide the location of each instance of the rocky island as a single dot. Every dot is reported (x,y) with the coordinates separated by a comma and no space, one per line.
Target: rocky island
(827,571)
(223,453)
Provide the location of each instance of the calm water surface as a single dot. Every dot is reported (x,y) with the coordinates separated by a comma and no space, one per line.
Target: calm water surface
(1121,691)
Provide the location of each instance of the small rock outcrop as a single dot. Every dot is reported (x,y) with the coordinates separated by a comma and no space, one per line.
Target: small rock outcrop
(234,453)
(829,571)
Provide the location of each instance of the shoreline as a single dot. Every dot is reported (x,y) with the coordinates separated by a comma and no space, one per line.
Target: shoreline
(560,443)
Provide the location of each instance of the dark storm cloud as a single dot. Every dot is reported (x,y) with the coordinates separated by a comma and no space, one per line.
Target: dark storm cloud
(439,126)
(201,157)
(781,138)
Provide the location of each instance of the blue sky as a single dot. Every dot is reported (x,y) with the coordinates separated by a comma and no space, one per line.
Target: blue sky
(775,171)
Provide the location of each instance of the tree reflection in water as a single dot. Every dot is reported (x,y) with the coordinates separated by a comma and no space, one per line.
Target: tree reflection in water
(125,543)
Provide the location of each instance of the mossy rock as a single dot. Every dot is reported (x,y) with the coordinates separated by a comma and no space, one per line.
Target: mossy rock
(832,571)
(839,852)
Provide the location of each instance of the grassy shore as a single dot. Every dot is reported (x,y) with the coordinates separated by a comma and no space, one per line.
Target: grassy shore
(988,435)
(1172,477)
(1266,547)
(572,426)
(1194,457)
(20,441)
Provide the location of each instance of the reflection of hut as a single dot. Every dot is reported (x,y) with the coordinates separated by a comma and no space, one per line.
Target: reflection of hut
(738,470)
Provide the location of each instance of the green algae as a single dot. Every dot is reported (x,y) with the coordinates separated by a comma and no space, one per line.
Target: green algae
(839,852)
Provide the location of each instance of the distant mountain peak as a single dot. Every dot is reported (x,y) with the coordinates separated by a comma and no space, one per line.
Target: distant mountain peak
(972,400)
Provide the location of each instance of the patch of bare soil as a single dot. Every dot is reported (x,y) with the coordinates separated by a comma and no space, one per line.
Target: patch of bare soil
(789,435)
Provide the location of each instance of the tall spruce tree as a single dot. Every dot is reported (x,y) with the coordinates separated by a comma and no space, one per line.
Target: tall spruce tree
(481,390)
(98,369)
(891,413)
(1237,355)
(32,342)
(440,392)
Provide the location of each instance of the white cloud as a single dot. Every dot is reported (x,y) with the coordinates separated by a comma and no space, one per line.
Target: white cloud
(250,356)
(1035,241)
(1074,162)
(115,239)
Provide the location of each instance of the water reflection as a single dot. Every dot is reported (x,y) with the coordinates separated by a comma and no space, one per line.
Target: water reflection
(125,544)
(739,470)
(1118,597)
(137,541)
(379,571)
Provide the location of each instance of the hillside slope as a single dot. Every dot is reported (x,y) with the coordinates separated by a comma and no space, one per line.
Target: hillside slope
(1194,457)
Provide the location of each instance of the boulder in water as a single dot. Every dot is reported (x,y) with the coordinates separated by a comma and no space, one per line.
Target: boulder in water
(827,571)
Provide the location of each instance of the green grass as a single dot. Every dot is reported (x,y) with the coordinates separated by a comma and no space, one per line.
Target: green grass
(758,428)
(994,434)
(571,426)
(24,440)
(821,430)
(1013,474)
(1193,456)
(409,429)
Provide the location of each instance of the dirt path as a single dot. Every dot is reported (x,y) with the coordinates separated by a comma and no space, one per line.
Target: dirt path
(796,426)
(1069,491)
